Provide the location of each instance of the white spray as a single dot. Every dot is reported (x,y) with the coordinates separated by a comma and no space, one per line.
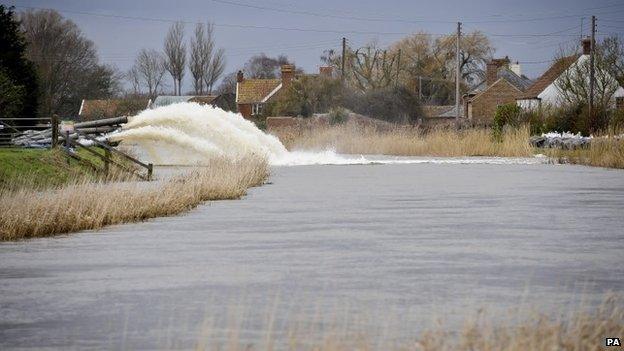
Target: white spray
(193,134)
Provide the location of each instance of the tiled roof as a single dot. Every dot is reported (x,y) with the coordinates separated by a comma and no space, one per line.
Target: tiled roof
(256,90)
(522,83)
(549,76)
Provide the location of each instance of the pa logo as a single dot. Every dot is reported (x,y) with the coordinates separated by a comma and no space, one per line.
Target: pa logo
(613,342)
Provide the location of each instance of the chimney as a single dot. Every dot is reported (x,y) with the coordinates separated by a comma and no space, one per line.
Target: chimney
(515,68)
(239,77)
(586,42)
(288,73)
(326,71)
(492,67)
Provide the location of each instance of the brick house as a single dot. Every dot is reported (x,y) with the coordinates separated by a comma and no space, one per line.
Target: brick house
(253,94)
(503,84)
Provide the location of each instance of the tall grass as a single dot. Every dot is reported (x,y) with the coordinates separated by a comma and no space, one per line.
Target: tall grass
(579,330)
(353,139)
(28,213)
(602,152)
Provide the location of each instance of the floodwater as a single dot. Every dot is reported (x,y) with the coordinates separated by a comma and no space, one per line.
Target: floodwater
(392,246)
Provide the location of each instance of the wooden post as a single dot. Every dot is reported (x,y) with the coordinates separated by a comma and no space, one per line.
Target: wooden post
(107,157)
(67,144)
(457,73)
(396,83)
(344,52)
(150,169)
(592,74)
(55,126)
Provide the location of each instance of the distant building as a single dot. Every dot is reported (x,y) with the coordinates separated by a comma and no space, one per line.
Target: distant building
(253,94)
(107,108)
(545,90)
(503,84)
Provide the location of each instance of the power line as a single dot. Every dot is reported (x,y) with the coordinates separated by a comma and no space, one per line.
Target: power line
(412,21)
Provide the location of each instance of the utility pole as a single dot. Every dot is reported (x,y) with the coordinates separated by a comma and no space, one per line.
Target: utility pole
(396,83)
(344,52)
(592,69)
(457,74)
(582,20)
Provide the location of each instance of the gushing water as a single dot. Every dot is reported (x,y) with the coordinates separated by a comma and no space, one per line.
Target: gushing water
(193,134)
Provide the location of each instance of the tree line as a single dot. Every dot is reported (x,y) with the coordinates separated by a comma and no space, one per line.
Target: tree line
(48,66)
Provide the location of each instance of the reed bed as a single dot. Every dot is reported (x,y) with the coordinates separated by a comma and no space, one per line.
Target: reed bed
(29,213)
(603,152)
(354,139)
(580,330)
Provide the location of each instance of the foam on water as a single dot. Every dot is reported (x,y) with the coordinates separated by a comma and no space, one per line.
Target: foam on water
(192,134)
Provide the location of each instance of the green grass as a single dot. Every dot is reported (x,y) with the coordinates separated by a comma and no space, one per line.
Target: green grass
(43,168)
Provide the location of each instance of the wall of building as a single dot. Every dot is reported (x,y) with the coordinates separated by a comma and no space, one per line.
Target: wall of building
(245,110)
(483,106)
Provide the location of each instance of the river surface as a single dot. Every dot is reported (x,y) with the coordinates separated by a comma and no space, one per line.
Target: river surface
(389,248)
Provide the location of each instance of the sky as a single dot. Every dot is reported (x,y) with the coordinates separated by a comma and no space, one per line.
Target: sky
(529,31)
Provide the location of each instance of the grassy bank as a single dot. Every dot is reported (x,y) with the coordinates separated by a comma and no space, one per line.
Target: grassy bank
(606,152)
(352,139)
(28,213)
(49,168)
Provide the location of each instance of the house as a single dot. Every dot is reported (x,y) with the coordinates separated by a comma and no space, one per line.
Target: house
(107,108)
(503,84)
(545,90)
(253,94)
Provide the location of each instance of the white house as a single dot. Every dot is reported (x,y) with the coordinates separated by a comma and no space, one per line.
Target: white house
(546,91)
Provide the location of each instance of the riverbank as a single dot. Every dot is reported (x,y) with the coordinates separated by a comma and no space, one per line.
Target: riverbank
(354,139)
(91,204)
(606,152)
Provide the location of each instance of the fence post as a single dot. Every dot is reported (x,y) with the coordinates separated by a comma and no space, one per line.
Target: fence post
(107,157)
(55,130)
(150,168)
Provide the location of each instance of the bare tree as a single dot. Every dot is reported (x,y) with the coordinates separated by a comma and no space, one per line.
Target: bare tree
(573,83)
(215,69)
(262,66)
(66,62)
(133,77)
(202,45)
(175,52)
(150,70)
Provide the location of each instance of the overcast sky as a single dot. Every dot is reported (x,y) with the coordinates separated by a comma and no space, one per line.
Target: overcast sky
(529,31)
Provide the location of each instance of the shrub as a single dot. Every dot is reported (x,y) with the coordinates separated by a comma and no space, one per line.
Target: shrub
(395,104)
(506,115)
(338,116)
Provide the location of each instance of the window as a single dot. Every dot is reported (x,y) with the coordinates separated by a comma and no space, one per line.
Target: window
(256,109)
(619,103)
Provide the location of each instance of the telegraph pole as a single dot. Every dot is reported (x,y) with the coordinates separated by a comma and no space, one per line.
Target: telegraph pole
(396,83)
(457,73)
(592,69)
(344,52)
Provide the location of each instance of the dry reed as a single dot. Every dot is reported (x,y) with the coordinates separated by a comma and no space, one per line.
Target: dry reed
(602,152)
(578,330)
(27,213)
(353,139)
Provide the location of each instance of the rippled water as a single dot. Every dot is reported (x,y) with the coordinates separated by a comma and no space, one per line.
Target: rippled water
(396,245)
